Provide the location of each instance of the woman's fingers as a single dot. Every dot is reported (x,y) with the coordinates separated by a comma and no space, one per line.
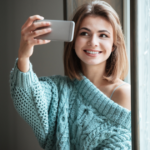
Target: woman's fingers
(37,41)
(29,31)
(40,41)
(30,20)
(38,25)
(36,33)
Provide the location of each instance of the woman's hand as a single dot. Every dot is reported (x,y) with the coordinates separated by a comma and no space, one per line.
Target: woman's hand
(28,34)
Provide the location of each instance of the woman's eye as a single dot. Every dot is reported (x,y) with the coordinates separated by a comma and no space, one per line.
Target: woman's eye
(103,34)
(84,33)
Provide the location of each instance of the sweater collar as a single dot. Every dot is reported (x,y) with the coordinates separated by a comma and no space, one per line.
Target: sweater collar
(103,104)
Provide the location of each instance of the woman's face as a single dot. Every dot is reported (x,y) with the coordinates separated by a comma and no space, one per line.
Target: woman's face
(95,34)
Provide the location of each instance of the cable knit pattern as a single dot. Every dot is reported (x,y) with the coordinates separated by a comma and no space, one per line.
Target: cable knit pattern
(69,115)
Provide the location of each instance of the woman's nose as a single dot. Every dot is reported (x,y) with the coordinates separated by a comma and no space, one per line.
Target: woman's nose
(93,41)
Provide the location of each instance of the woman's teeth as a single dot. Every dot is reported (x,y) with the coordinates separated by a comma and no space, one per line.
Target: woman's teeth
(92,52)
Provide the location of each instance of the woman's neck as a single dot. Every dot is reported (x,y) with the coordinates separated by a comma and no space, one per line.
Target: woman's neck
(95,73)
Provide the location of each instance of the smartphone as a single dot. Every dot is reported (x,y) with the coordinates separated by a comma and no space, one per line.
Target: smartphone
(61,30)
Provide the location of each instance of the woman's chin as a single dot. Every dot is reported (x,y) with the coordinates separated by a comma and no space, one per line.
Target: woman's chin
(92,63)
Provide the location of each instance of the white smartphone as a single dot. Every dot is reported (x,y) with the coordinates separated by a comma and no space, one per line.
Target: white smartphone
(61,30)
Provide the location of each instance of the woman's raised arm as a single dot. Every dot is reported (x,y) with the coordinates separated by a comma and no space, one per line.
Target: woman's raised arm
(32,96)
(28,33)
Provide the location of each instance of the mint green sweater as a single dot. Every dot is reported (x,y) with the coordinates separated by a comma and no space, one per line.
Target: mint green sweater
(69,115)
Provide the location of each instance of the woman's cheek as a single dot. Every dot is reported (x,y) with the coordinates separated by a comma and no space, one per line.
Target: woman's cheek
(79,42)
(107,45)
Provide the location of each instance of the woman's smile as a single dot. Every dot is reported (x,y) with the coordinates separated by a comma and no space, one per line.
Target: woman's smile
(92,53)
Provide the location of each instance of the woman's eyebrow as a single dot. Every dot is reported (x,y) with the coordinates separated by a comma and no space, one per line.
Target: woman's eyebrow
(90,30)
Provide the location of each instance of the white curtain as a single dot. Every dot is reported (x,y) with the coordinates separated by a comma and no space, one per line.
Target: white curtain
(144,72)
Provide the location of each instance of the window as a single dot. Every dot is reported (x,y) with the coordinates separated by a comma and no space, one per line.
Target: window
(143,44)
(144,72)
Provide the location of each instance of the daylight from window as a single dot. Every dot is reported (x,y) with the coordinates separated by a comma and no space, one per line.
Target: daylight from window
(144,73)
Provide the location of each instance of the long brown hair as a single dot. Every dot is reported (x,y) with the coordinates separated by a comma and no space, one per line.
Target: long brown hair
(117,63)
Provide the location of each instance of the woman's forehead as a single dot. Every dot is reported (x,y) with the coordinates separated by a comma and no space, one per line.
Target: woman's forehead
(96,22)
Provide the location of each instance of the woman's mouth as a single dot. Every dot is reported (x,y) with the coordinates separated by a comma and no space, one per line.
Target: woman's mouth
(92,53)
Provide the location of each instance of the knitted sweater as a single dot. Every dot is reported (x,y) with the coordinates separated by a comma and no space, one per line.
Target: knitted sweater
(69,115)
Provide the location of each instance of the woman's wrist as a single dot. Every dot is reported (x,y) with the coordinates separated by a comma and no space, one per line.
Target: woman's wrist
(23,64)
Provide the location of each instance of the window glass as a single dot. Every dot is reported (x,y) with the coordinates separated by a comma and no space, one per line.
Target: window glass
(144,72)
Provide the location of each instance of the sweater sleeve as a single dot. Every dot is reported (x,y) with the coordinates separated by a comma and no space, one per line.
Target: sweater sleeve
(34,98)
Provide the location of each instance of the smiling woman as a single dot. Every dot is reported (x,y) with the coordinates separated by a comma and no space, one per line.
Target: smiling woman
(75,112)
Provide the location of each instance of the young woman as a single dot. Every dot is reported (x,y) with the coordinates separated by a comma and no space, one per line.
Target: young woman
(89,107)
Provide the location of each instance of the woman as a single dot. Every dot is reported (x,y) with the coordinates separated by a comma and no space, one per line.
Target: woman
(89,107)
